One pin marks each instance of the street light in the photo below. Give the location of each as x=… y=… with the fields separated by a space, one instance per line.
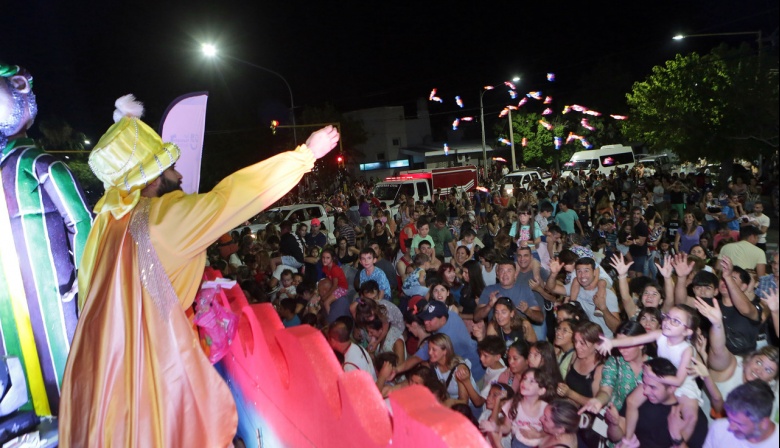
x=741 y=33
x=482 y=122
x=210 y=51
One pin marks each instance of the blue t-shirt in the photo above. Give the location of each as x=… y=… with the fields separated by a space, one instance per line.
x=380 y=278
x=566 y=220
x=464 y=346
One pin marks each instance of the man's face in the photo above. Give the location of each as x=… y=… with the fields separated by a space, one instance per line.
x=524 y=259
x=17 y=105
x=170 y=181
x=315 y=228
x=758 y=208
x=742 y=427
x=585 y=275
x=652 y=387
x=506 y=275
x=636 y=215
x=434 y=324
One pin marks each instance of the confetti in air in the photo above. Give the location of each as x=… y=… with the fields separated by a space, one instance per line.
x=551 y=77
x=547 y=100
x=455 y=124
x=547 y=111
x=546 y=125
x=558 y=142
x=459 y=102
x=586 y=125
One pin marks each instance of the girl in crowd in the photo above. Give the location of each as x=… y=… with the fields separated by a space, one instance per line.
x=688 y=235
x=338 y=280
x=487 y=260
x=441 y=292
x=524 y=412
x=570 y=311
x=652 y=294
x=473 y=285
x=446 y=363
x=508 y=324
x=711 y=209
x=524 y=230
x=542 y=356
x=673 y=344
x=381 y=234
x=582 y=380
x=452 y=279
x=517 y=364
x=462 y=255
x=499 y=394
x=564 y=345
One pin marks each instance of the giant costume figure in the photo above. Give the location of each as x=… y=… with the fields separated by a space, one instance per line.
x=136 y=375
x=44 y=223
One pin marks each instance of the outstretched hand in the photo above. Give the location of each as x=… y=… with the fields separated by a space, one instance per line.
x=770 y=299
x=322 y=141
x=605 y=346
x=711 y=312
x=620 y=265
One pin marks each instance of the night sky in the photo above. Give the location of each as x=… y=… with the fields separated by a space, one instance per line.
x=353 y=55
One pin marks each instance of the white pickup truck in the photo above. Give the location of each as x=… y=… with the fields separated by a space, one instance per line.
x=297 y=214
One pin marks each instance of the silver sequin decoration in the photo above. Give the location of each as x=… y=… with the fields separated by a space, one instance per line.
x=153 y=276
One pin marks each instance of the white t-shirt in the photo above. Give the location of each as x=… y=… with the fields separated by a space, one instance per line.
x=585 y=297
x=719 y=436
x=762 y=220
x=523 y=420
x=357 y=358
x=491 y=375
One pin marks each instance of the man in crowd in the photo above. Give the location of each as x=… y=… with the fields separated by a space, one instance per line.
x=760 y=221
x=507 y=286
x=608 y=316
x=316 y=237
x=744 y=253
x=437 y=319
x=749 y=419
x=136 y=375
x=660 y=422
x=441 y=236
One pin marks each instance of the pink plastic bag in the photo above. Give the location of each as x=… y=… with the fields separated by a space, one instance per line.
x=216 y=325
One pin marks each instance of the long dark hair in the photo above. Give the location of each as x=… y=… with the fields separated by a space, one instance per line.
x=476 y=282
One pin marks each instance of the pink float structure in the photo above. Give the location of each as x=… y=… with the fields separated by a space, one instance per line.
x=291 y=392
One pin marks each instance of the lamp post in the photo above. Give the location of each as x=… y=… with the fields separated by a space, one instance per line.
x=482 y=123
x=210 y=51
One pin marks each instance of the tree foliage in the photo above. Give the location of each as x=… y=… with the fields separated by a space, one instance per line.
x=720 y=106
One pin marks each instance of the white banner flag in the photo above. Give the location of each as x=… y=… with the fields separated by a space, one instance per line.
x=184 y=124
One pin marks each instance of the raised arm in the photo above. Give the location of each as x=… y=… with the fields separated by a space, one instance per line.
x=770 y=300
x=719 y=358
x=606 y=345
x=666 y=271
x=620 y=265
x=683 y=269
x=738 y=297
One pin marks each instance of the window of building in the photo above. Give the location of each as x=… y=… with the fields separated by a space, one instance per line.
x=396 y=142
x=380 y=156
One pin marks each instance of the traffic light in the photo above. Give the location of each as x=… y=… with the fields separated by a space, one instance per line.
x=274 y=124
x=340 y=161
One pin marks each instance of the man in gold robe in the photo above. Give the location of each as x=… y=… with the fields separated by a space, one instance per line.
x=136 y=375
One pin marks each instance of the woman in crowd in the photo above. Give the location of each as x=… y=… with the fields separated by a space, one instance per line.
x=508 y=324
x=487 y=260
x=542 y=356
x=516 y=363
x=622 y=372
x=346 y=255
x=582 y=380
x=446 y=363
x=560 y=423
x=441 y=292
x=688 y=235
x=451 y=278
x=473 y=285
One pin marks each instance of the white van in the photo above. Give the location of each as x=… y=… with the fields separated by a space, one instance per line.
x=604 y=160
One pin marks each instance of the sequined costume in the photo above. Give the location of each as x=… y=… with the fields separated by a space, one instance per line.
x=44 y=223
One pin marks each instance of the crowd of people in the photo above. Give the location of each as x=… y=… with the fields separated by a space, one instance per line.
x=591 y=311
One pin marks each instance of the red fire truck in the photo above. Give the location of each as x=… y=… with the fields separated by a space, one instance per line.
x=426 y=184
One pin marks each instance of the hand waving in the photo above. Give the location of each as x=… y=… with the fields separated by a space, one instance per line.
x=712 y=313
x=322 y=141
x=619 y=263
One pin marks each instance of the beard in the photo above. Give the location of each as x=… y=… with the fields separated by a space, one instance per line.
x=167 y=186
